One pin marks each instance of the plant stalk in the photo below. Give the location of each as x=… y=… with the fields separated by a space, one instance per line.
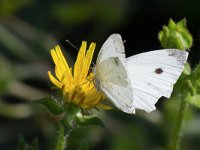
x=177 y=134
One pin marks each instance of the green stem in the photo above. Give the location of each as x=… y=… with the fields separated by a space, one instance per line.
x=60 y=138
x=176 y=139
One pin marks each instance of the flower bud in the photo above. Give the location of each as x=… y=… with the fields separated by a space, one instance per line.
x=175 y=35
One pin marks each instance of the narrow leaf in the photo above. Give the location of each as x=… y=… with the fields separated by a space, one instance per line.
x=34 y=144
x=51 y=105
x=21 y=143
x=89 y=120
x=194 y=100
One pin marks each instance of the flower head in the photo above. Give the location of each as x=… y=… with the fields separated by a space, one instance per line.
x=77 y=88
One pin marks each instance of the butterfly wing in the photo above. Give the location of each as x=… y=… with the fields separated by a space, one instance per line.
x=111 y=75
x=113 y=81
x=153 y=75
x=113 y=47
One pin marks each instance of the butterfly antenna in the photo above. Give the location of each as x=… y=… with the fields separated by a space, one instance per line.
x=93 y=63
x=72 y=45
x=77 y=49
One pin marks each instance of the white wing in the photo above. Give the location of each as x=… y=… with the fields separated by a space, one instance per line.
x=153 y=75
x=111 y=75
x=113 y=47
x=112 y=80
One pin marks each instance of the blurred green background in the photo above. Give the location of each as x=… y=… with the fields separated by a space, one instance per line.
x=29 y=29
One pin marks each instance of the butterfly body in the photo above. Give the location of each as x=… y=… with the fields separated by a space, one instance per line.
x=139 y=81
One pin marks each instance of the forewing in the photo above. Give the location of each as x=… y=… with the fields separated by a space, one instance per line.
x=153 y=75
x=113 y=47
x=114 y=83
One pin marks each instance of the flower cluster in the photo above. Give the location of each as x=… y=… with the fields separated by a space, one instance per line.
x=77 y=87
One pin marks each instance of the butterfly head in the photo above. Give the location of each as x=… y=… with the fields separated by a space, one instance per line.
x=95 y=79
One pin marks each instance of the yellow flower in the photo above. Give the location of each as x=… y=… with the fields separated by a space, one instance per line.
x=77 y=88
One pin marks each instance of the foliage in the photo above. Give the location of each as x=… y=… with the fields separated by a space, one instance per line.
x=22 y=145
x=51 y=105
x=193 y=82
x=72 y=119
x=7 y=7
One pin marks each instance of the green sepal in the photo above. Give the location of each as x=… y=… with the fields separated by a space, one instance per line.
x=71 y=109
x=171 y=24
x=50 y=104
x=88 y=120
x=175 y=35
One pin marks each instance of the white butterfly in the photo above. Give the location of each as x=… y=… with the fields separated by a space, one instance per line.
x=136 y=82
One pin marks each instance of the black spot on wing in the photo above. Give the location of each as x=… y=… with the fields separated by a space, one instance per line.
x=158 y=71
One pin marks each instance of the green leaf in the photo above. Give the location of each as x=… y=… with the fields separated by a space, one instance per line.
x=16 y=46
x=73 y=13
x=10 y=7
x=51 y=105
x=6 y=74
x=187 y=69
x=194 y=100
x=195 y=73
x=194 y=80
x=175 y=35
x=21 y=143
x=34 y=144
x=60 y=138
x=189 y=82
x=88 y=120
x=193 y=86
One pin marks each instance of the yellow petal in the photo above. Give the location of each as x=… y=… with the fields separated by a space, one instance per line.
x=65 y=80
x=54 y=81
x=63 y=62
x=93 y=98
x=103 y=106
x=88 y=60
x=58 y=70
x=79 y=62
